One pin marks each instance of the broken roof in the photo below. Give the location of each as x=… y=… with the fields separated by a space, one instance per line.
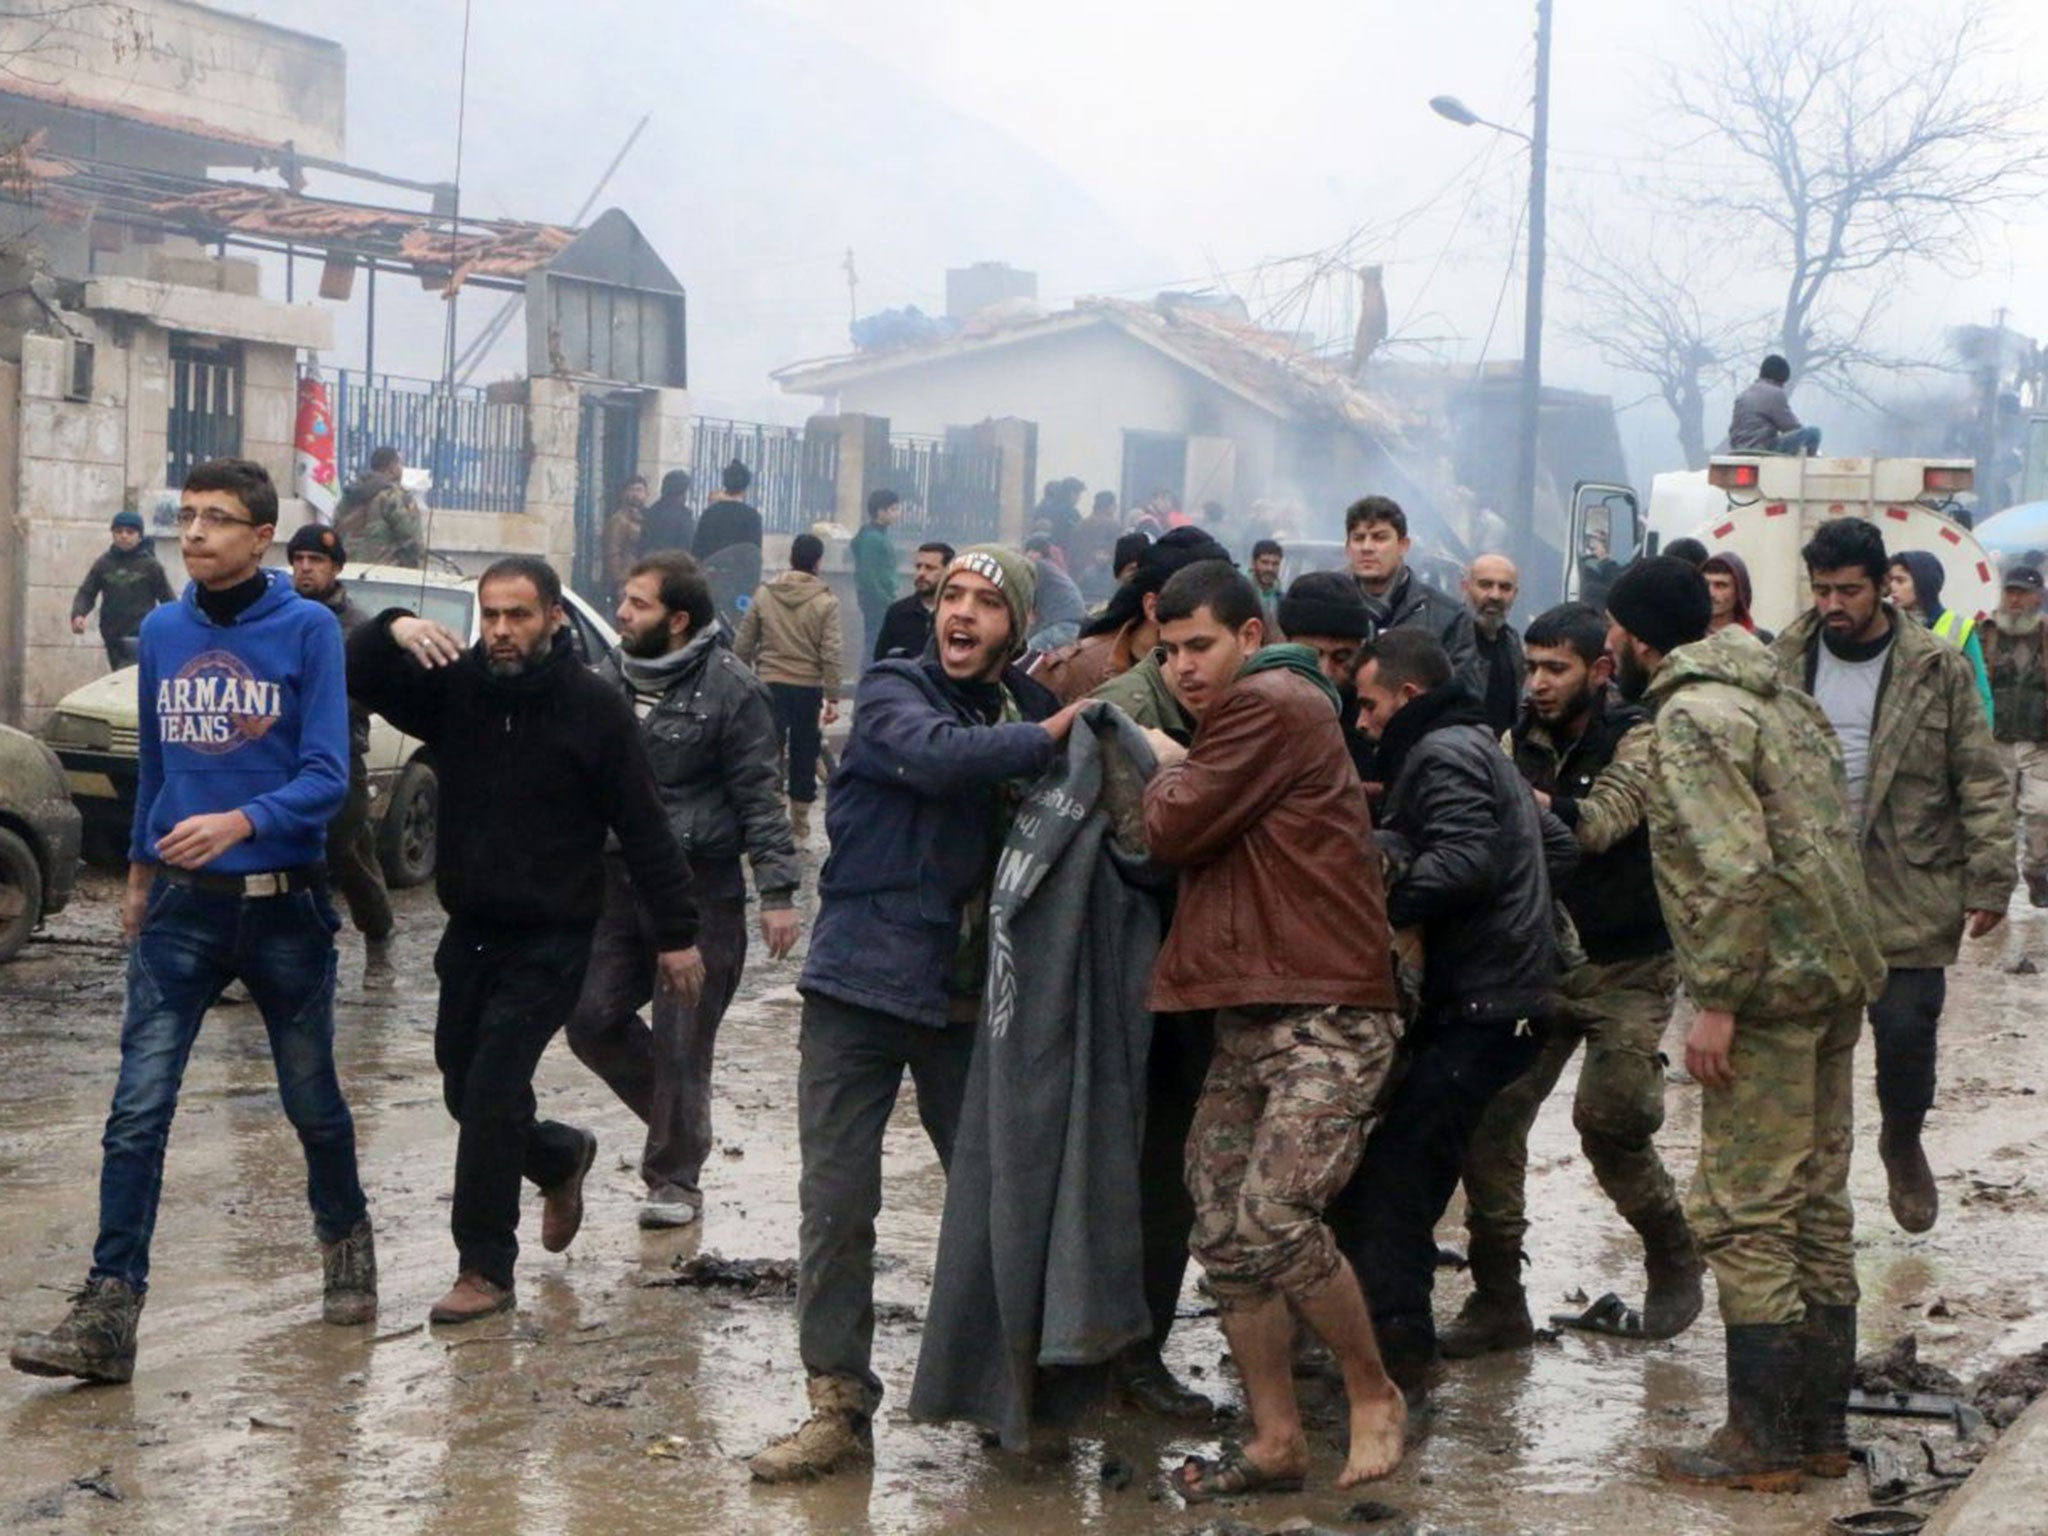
x=1268 y=370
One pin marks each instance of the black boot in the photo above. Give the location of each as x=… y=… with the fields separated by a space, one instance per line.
x=1758 y=1447
x=1916 y=1202
x=95 y=1341
x=1827 y=1367
x=1495 y=1316
x=1671 y=1259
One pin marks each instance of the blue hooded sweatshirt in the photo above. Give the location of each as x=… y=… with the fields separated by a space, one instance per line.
x=249 y=716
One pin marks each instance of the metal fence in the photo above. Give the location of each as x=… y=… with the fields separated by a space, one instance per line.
x=476 y=447
x=951 y=492
x=794 y=476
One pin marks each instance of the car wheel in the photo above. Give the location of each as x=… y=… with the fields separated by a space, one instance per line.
x=405 y=841
x=21 y=893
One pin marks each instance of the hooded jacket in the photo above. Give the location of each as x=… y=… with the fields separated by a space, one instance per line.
x=1413 y=601
x=1481 y=855
x=249 y=716
x=791 y=634
x=1958 y=629
x=535 y=770
x=1750 y=839
x=1937 y=832
x=1745 y=593
x=711 y=738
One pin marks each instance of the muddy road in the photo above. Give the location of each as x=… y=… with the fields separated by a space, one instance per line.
x=606 y=1404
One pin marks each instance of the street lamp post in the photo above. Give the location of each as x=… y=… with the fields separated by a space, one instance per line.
x=1522 y=533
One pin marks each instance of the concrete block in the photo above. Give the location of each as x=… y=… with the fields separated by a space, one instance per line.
x=62 y=491
x=60 y=429
x=270 y=367
x=269 y=415
x=2007 y=1493
x=234 y=316
x=45 y=367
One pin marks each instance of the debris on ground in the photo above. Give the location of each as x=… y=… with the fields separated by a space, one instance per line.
x=1900 y=1369
x=100 y=1483
x=759 y=1279
x=2004 y=1394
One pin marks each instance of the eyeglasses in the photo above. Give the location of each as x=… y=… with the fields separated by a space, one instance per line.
x=210 y=517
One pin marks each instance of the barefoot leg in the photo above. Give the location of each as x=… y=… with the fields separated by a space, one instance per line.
x=1379 y=1415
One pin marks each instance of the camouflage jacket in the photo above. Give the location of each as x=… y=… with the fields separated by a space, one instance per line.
x=1937 y=833
x=1749 y=831
x=379 y=523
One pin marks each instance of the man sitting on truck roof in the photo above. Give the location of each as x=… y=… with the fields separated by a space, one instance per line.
x=1763 y=421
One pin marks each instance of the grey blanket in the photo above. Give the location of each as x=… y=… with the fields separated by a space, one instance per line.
x=1037 y=1282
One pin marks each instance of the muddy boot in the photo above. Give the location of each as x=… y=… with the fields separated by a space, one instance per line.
x=348 y=1271
x=1758 y=1447
x=1672 y=1261
x=379 y=974
x=1827 y=1366
x=838 y=1434
x=96 y=1340
x=1495 y=1317
x=470 y=1298
x=800 y=821
x=1915 y=1200
x=561 y=1211
x=1144 y=1382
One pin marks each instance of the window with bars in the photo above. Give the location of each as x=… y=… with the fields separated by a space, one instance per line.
x=206 y=405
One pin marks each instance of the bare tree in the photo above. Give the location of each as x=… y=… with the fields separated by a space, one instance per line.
x=1646 y=309
x=1866 y=138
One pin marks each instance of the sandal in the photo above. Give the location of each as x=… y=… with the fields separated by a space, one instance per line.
x=1609 y=1315
x=1231 y=1475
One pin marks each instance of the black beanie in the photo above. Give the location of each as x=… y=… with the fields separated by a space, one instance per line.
x=1183 y=546
x=1663 y=602
x=1325 y=603
x=317 y=539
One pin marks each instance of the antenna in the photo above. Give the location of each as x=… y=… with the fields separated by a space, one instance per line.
x=443 y=434
x=852 y=288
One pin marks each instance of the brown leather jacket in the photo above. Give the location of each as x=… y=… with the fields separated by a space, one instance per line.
x=1280 y=893
x=1075 y=671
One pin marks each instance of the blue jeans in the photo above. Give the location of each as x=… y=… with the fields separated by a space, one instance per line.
x=193 y=943
x=1806 y=440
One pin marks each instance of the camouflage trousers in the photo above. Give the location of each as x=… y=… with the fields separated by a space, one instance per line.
x=1619 y=1012
x=2026 y=769
x=1291 y=1095
x=1770 y=1203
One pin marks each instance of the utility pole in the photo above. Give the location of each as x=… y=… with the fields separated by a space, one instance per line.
x=852 y=291
x=1526 y=545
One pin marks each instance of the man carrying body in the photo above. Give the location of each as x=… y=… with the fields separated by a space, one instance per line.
x=378 y=516
x=711 y=736
x=893 y=981
x=907 y=626
x=1763 y=421
x=2016 y=656
x=317 y=555
x=1586 y=751
x=538 y=761
x=1267 y=556
x=1490 y=588
x=874 y=566
x=1281 y=927
x=1929 y=807
x=128 y=585
x=242 y=762
x=1323 y=611
x=1471 y=852
x=1376 y=542
x=1754 y=854
x=1119 y=637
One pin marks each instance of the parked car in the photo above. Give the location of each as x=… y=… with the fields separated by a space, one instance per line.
x=93 y=730
x=39 y=838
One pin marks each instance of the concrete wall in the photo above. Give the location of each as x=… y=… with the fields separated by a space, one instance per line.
x=1084 y=389
x=244 y=78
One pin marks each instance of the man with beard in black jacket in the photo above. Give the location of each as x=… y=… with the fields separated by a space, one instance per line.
x=1471 y=858
x=538 y=760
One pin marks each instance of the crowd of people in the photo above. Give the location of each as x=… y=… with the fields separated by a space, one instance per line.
x=1369 y=866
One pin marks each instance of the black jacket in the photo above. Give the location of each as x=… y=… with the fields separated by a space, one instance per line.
x=711 y=737
x=1611 y=896
x=1413 y=601
x=1479 y=856
x=129 y=585
x=351 y=618
x=906 y=630
x=667 y=527
x=534 y=771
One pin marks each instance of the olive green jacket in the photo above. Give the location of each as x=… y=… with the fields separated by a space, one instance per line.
x=1750 y=841
x=1142 y=694
x=1937 y=833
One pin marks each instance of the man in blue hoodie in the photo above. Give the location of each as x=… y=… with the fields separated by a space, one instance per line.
x=893 y=982
x=243 y=761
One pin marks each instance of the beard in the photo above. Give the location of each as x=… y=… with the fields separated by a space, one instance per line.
x=1631 y=676
x=650 y=644
x=520 y=665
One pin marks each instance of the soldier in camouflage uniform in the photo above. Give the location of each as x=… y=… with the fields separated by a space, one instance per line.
x=2016 y=656
x=1586 y=752
x=1758 y=876
x=378 y=517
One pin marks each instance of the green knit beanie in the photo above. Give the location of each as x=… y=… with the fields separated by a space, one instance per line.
x=1011 y=574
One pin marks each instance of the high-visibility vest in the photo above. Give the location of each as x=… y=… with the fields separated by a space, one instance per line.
x=1954 y=628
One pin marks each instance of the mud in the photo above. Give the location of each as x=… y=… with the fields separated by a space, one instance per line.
x=621 y=1399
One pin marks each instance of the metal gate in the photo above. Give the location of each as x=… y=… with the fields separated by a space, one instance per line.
x=794 y=473
x=607 y=455
x=206 y=405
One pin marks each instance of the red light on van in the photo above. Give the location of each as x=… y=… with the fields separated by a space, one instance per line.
x=1733 y=477
x=1948 y=479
